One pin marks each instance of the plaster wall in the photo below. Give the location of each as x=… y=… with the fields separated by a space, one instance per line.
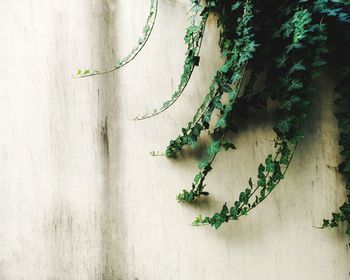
x=80 y=195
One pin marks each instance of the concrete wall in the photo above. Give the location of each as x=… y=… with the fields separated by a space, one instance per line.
x=80 y=196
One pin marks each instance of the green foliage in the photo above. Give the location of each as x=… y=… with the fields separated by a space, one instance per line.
x=343 y=116
x=281 y=44
x=299 y=32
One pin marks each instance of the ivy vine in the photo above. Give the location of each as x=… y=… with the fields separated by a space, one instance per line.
x=147 y=30
x=282 y=44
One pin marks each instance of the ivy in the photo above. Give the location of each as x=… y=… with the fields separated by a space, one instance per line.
x=343 y=116
x=193 y=40
x=271 y=50
x=147 y=30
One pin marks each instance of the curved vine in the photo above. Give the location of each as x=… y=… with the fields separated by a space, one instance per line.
x=147 y=30
x=298 y=43
x=193 y=40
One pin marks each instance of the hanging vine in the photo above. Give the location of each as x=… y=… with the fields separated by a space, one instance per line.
x=193 y=40
x=147 y=30
x=283 y=44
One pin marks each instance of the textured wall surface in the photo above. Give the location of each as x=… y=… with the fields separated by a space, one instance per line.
x=80 y=196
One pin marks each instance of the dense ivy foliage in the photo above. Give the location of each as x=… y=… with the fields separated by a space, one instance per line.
x=281 y=45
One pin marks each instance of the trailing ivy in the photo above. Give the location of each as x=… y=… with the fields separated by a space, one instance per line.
x=272 y=51
x=291 y=112
x=242 y=49
x=298 y=45
x=343 y=115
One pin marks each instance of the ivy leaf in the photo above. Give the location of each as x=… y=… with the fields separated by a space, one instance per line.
x=221 y=123
x=213 y=148
x=218 y=104
x=234 y=213
x=227 y=145
x=202 y=164
x=295 y=85
x=325 y=223
x=261 y=170
x=235 y=6
x=250 y=182
x=298 y=66
x=270 y=165
x=244 y=211
x=224 y=211
x=217 y=220
x=198 y=177
x=242 y=197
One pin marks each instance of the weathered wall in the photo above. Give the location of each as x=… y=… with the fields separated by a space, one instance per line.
x=80 y=197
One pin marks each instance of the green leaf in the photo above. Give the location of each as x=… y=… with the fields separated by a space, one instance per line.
x=270 y=165
x=261 y=170
x=224 y=211
x=227 y=145
x=198 y=177
x=242 y=197
x=202 y=164
x=250 y=183
x=233 y=213
x=325 y=223
x=221 y=123
x=213 y=148
x=244 y=211
x=217 y=220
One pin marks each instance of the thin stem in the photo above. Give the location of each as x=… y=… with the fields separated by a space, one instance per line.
x=251 y=208
x=137 y=49
x=284 y=172
x=182 y=86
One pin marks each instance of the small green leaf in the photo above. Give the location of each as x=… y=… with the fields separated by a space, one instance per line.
x=227 y=145
x=213 y=148
x=250 y=183
x=202 y=164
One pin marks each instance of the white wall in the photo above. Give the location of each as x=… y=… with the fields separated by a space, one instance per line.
x=80 y=197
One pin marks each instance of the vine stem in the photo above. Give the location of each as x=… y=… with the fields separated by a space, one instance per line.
x=182 y=87
x=197 y=118
x=238 y=91
x=136 y=50
x=251 y=208
x=226 y=129
x=266 y=175
x=284 y=172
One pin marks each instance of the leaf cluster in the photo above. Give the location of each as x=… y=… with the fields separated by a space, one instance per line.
x=271 y=50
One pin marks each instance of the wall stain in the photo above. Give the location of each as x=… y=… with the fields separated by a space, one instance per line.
x=105 y=138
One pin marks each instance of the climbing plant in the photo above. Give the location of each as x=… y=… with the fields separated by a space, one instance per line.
x=272 y=50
